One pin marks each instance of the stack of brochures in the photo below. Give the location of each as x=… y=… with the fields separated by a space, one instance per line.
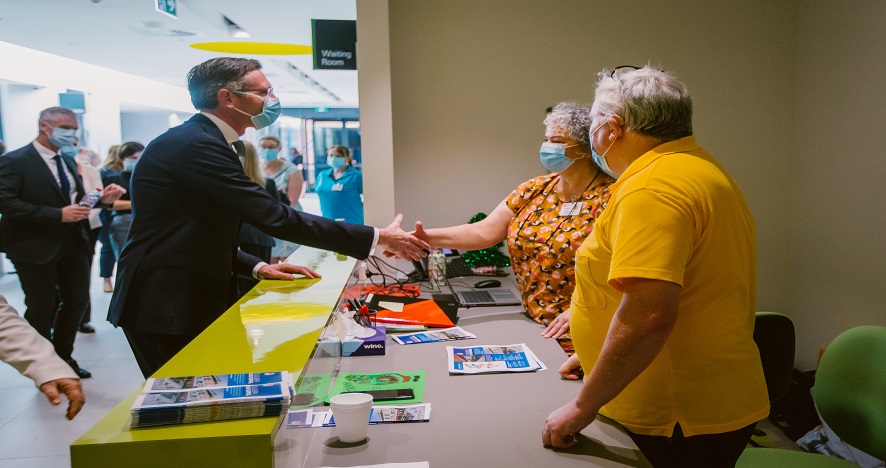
x=448 y=334
x=203 y=398
x=486 y=359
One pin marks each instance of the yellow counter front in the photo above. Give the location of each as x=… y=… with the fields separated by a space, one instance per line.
x=272 y=328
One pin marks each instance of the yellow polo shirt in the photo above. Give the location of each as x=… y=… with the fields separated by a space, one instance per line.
x=676 y=215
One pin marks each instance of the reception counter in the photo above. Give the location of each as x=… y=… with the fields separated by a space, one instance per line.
x=476 y=420
x=274 y=327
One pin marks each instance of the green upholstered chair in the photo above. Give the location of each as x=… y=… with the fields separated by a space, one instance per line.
x=850 y=394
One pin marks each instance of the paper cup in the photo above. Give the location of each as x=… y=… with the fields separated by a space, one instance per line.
x=351 y=412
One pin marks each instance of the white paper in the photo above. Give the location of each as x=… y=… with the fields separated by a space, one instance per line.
x=392 y=306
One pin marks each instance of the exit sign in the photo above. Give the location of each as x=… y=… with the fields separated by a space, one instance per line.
x=167 y=7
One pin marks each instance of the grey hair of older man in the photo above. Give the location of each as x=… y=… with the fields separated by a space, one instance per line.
x=573 y=118
x=649 y=101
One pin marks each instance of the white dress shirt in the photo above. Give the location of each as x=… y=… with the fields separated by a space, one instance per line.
x=47 y=155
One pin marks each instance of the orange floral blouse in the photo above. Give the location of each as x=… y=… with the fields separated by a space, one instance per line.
x=542 y=243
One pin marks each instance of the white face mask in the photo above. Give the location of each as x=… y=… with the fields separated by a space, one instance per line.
x=601 y=159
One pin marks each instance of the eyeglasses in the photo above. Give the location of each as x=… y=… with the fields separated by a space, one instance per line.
x=617 y=71
x=259 y=92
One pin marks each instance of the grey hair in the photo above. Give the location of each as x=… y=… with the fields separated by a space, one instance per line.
x=574 y=119
x=49 y=114
x=651 y=102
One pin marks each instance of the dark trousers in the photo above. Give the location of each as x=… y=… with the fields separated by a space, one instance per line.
x=153 y=350
x=702 y=451
x=68 y=275
x=106 y=259
x=93 y=237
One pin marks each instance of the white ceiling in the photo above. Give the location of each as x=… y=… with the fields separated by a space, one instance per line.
x=131 y=37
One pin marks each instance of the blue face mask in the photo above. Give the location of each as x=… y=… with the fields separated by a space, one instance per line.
x=69 y=150
x=269 y=114
x=600 y=160
x=553 y=157
x=268 y=154
x=337 y=162
x=129 y=164
x=63 y=137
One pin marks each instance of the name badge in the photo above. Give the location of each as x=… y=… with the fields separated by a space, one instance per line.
x=571 y=209
x=337 y=187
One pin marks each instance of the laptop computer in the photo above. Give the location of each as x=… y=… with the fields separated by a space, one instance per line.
x=488 y=297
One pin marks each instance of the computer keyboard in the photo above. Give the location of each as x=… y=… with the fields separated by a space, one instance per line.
x=456 y=266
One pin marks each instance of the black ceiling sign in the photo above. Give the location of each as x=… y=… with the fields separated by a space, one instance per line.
x=335 y=44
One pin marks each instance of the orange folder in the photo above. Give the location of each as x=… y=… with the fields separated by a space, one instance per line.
x=426 y=313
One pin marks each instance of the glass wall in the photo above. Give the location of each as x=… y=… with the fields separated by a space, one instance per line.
x=311 y=132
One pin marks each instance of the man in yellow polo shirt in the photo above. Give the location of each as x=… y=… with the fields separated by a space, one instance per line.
x=663 y=311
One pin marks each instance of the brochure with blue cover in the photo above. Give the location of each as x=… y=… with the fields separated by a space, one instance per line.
x=485 y=359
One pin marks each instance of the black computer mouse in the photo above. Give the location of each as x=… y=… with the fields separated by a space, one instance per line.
x=490 y=283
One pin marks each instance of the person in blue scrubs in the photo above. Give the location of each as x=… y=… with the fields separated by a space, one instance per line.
x=340 y=187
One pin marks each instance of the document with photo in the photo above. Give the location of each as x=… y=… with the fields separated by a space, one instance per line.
x=194 y=382
x=448 y=334
x=492 y=358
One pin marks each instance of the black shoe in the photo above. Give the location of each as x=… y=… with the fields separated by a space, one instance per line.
x=81 y=372
x=86 y=327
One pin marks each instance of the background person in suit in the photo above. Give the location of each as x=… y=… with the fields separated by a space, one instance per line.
x=45 y=231
x=177 y=271
x=29 y=353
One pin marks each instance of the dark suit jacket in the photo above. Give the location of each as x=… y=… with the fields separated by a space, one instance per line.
x=31 y=203
x=176 y=273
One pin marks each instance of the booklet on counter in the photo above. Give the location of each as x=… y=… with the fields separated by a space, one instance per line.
x=380 y=414
x=448 y=334
x=190 y=399
x=492 y=358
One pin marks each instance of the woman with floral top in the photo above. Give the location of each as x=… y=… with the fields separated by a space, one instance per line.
x=544 y=221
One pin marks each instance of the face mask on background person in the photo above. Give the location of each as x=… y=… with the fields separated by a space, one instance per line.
x=69 y=150
x=601 y=159
x=337 y=162
x=129 y=164
x=270 y=112
x=553 y=156
x=268 y=154
x=63 y=136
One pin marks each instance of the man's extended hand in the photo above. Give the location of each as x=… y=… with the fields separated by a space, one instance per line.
x=285 y=271
x=566 y=421
x=558 y=326
x=397 y=242
x=71 y=388
x=74 y=213
x=112 y=193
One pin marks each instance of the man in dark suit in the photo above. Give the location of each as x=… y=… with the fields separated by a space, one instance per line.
x=44 y=230
x=190 y=195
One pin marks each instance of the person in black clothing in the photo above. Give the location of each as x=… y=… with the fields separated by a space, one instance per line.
x=121 y=217
x=252 y=240
x=44 y=229
x=177 y=272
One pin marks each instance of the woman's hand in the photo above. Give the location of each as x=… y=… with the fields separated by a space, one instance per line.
x=559 y=326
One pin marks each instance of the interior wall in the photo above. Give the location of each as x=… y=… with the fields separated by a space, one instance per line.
x=789 y=96
x=838 y=222
x=21 y=111
x=145 y=126
x=471 y=80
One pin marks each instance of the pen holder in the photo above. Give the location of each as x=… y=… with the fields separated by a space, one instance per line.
x=366 y=319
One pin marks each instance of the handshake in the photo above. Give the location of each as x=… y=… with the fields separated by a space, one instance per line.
x=401 y=244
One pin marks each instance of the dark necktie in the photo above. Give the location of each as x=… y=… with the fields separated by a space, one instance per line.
x=63 y=178
x=239 y=147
